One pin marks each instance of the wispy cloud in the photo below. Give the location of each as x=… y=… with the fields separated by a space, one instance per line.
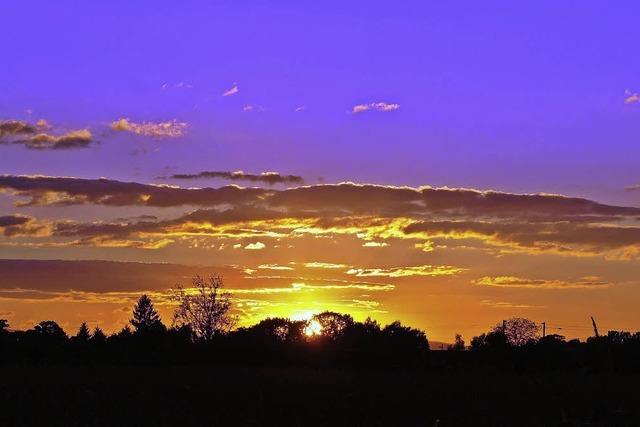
x=420 y=270
x=275 y=267
x=375 y=244
x=424 y=246
x=266 y=177
x=300 y=108
x=325 y=265
x=255 y=246
x=179 y=85
x=631 y=97
x=507 y=304
x=168 y=129
x=589 y=282
x=376 y=106
x=232 y=91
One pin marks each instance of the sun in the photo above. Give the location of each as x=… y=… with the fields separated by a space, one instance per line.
x=313 y=328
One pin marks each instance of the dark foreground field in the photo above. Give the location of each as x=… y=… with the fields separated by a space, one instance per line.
x=161 y=396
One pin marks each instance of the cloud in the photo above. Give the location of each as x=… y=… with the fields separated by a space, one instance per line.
x=373 y=214
x=21 y=225
x=377 y=106
x=266 y=177
x=255 y=246
x=122 y=282
x=13 y=220
x=421 y=270
x=35 y=137
x=43 y=190
x=506 y=304
x=168 y=129
x=15 y=127
x=561 y=236
x=519 y=282
x=360 y=286
x=75 y=139
x=43 y=124
x=179 y=85
x=325 y=265
x=304 y=287
x=102 y=276
x=275 y=267
x=424 y=246
x=232 y=91
x=632 y=187
x=300 y=108
x=374 y=244
x=630 y=97
x=248 y=108
x=348 y=198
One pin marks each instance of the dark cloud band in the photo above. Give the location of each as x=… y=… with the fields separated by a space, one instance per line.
x=270 y=178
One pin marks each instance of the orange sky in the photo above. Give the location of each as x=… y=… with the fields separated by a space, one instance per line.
x=444 y=260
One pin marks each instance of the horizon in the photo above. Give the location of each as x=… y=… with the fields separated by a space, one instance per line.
x=445 y=166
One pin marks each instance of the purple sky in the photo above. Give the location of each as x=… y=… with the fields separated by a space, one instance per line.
x=493 y=95
x=520 y=97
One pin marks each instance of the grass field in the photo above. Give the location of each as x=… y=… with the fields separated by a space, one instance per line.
x=205 y=395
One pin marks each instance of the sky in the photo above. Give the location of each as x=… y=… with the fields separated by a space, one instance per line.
x=447 y=165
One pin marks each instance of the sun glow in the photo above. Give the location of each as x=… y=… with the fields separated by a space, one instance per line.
x=313 y=328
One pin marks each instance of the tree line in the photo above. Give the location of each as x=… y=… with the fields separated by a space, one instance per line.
x=203 y=331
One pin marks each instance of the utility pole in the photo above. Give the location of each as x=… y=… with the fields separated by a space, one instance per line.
x=595 y=327
x=544 y=329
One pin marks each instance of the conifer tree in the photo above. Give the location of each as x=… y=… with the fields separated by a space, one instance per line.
x=98 y=336
x=83 y=334
x=145 y=317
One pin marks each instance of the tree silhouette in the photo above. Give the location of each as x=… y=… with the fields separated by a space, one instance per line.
x=458 y=344
x=98 y=336
x=206 y=311
x=125 y=332
x=518 y=331
x=145 y=317
x=279 y=329
x=50 y=329
x=4 y=325
x=405 y=337
x=83 y=334
x=495 y=341
x=333 y=324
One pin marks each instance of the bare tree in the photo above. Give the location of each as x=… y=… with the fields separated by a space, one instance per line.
x=518 y=331
x=205 y=308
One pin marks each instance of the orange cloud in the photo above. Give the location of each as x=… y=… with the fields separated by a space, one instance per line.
x=519 y=282
x=420 y=270
x=34 y=137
